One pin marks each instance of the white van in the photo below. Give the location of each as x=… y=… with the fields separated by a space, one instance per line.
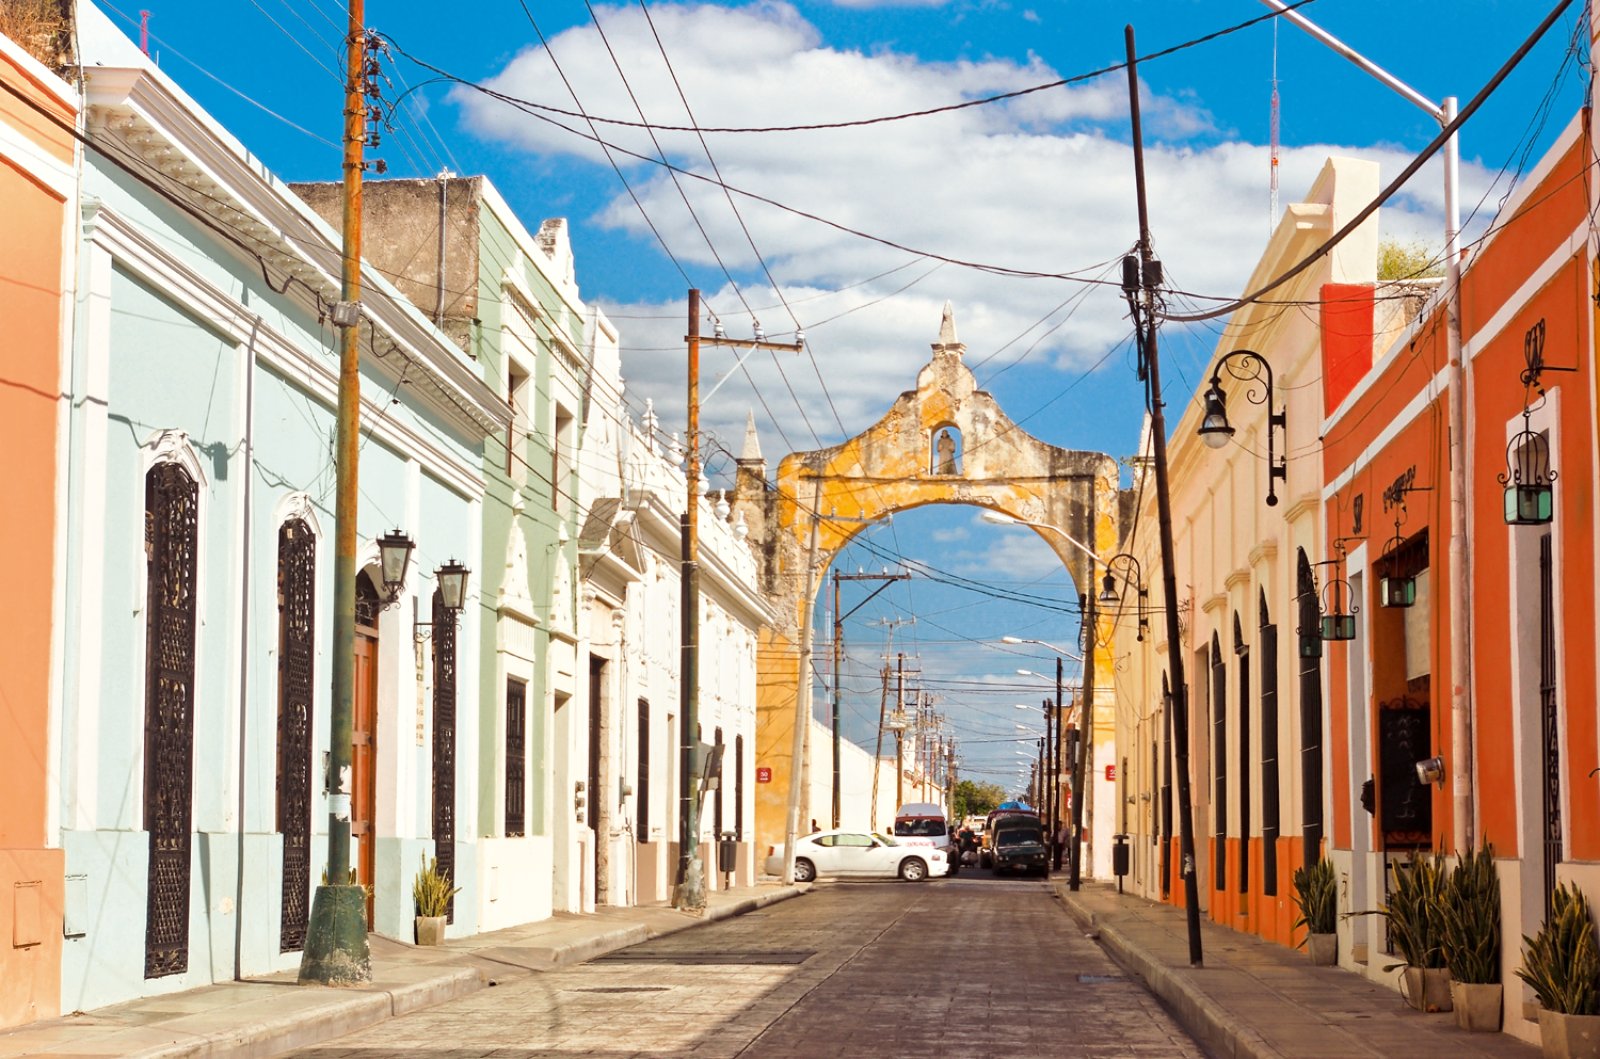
x=924 y=824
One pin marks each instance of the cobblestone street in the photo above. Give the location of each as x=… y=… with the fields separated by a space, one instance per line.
x=966 y=967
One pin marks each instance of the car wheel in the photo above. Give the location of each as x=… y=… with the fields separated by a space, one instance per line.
x=804 y=870
x=912 y=869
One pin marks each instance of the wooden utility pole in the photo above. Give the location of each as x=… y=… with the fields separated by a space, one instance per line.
x=1144 y=277
x=336 y=951
x=691 y=891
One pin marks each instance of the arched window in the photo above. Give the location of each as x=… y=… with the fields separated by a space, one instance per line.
x=297 y=573
x=171 y=538
x=1270 y=809
x=1310 y=715
x=1219 y=761
x=1241 y=651
x=444 y=741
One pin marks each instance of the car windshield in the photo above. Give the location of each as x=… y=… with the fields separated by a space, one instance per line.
x=1015 y=838
x=919 y=828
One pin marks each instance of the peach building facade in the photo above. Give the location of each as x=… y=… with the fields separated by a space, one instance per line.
x=37 y=180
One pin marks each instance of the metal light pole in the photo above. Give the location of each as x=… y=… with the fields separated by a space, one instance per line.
x=1461 y=734
x=336 y=951
x=1147 y=271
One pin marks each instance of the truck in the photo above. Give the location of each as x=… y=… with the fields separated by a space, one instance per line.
x=1005 y=811
x=1018 y=845
x=924 y=824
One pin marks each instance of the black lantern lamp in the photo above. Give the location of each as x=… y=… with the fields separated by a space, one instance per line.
x=1530 y=500
x=1134 y=576
x=394 y=555
x=1335 y=622
x=452 y=581
x=1396 y=588
x=1249 y=367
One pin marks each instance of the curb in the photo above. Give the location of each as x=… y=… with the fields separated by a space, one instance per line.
x=278 y=1033
x=358 y=1009
x=1197 y=1012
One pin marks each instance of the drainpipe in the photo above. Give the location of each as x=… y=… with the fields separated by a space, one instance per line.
x=248 y=455
x=444 y=195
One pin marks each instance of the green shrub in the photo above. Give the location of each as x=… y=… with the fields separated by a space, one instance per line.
x=1472 y=919
x=1561 y=963
x=1317 y=896
x=432 y=890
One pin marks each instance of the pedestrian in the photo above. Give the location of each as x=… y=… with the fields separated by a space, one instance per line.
x=1063 y=836
x=815 y=827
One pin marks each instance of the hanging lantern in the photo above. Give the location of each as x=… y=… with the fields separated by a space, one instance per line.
x=1529 y=499
x=394 y=555
x=1397 y=591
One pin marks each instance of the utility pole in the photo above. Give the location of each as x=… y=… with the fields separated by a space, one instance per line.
x=1055 y=760
x=1145 y=274
x=899 y=733
x=691 y=892
x=877 y=753
x=838 y=640
x=1080 y=766
x=336 y=951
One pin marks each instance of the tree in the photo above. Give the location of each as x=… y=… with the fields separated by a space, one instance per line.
x=1413 y=260
x=976 y=799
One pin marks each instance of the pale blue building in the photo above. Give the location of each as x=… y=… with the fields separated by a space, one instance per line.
x=197 y=527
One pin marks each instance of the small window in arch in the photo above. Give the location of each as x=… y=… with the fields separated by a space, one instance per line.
x=946 y=451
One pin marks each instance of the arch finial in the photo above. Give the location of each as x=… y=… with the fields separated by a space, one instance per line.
x=948 y=342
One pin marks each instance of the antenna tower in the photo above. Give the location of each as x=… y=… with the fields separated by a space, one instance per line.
x=1272 y=207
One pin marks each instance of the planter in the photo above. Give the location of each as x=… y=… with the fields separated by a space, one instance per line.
x=1478 y=1007
x=1426 y=988
x=1324 y=949
x=1569 y=1036
x=430 y=930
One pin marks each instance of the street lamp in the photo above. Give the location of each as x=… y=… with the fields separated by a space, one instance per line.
x=1110 y=597
x=394 y=555
x=1248 y=367
x=452 y=579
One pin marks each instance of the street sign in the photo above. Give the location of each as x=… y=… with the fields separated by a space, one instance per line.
x=1111 y=773
x=763 y=775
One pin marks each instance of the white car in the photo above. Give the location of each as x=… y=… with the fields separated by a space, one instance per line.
x=858 y=855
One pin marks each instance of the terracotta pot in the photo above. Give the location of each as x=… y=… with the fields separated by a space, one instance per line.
x=1426 y=988
x=1569 y=1036
x=1478 y=1006
x=1324 y=949
x=430 y=930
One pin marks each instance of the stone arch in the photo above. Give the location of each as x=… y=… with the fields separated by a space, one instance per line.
x=818 y=500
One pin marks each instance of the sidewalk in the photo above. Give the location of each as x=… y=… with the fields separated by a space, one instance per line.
x=1253 y=998
x=261 y=1017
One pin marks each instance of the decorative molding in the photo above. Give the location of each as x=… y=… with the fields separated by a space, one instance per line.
x=1239 y=576
x=314 y=373
x=1305 y=504
x=1264 y=552
x=1216 y=603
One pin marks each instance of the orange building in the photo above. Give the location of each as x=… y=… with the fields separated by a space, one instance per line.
x=37 y=166
x=1514 y=766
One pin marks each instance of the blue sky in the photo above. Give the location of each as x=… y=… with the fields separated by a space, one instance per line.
x=1039 y=183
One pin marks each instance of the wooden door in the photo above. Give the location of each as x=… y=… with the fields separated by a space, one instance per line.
x=363 y=760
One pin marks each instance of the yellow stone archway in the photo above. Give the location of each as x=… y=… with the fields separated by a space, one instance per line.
x=898 y=464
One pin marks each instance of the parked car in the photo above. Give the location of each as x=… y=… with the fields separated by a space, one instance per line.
x=1018 y=846
x=858 y=855
x=1006 y=811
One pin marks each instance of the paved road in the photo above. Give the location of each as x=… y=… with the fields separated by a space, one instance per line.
x=966 y=967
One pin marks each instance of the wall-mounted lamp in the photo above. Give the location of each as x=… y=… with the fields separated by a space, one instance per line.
x=1528 y=479
x=1133 y=575
x=1337 y=611
x=394 y=555
x=1397 y=587
x=1249 y=367
x=452 y=580
x=1431 y=770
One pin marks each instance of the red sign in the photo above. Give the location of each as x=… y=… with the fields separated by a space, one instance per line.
x=1111 y=773
x=763 y=775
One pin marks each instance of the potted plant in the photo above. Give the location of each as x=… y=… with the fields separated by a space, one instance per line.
x=1416 y=925
x=432 y=892
x=1316 y=894
x=1561 y=963
x=1472 y=941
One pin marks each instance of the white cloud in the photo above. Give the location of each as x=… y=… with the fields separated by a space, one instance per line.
x=1040 y=183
